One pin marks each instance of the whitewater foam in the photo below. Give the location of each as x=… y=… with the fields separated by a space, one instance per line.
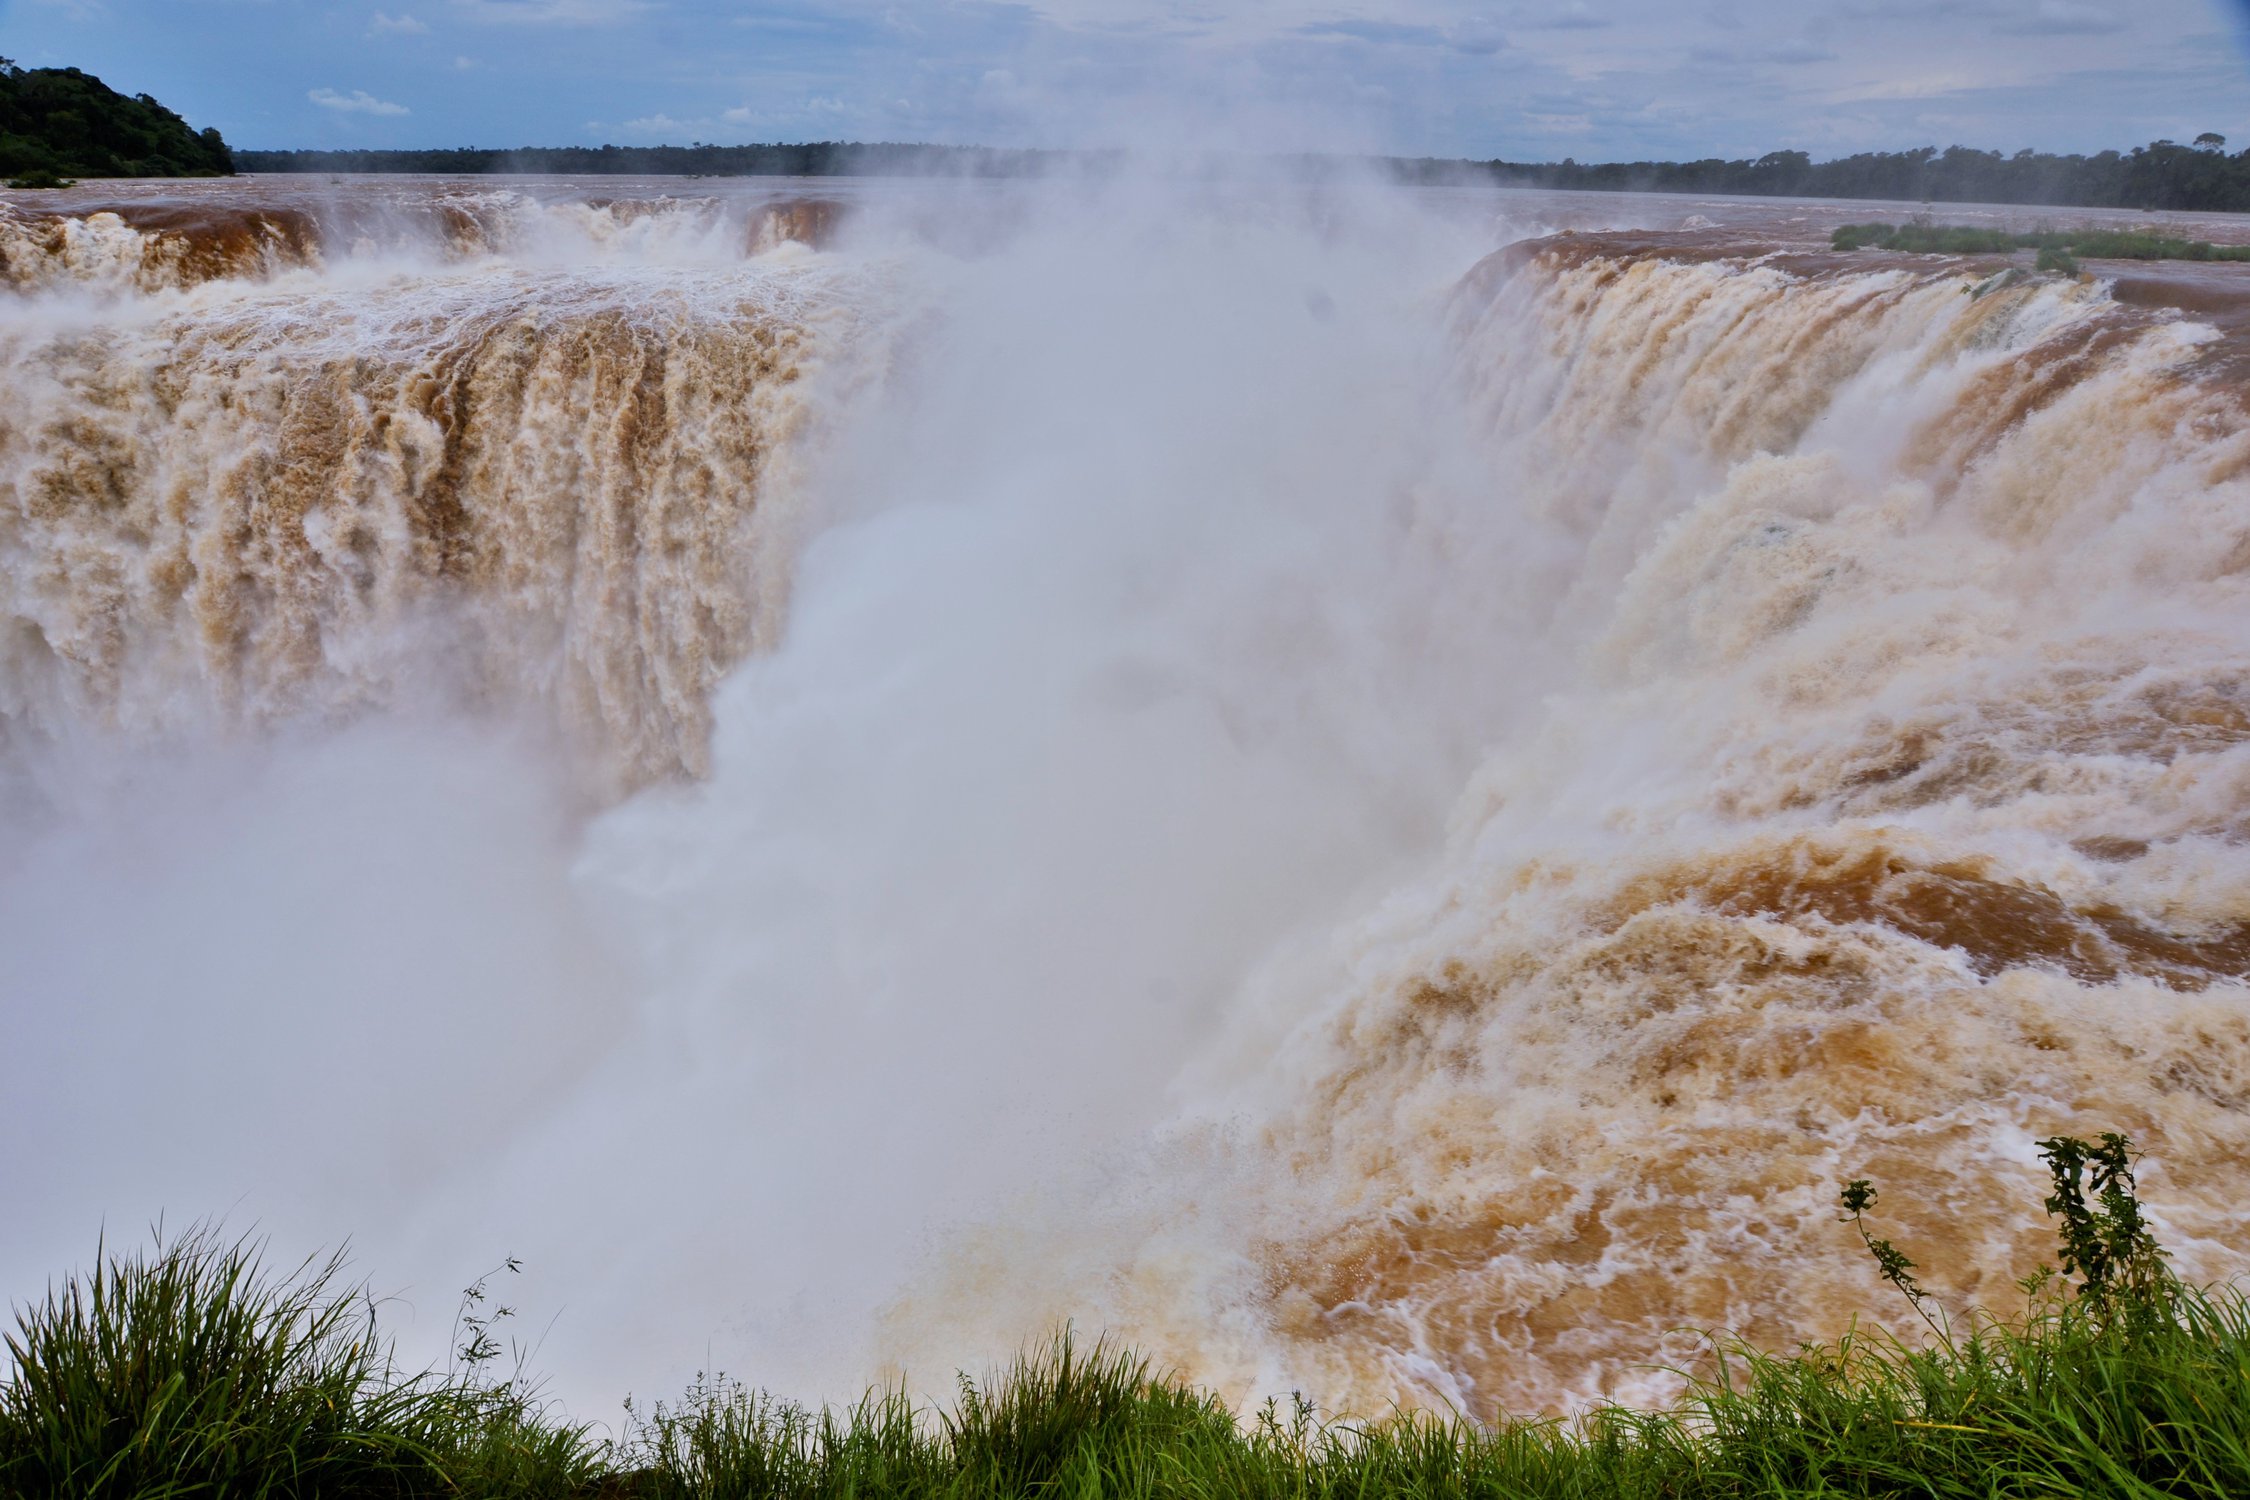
x=1888 y=824
x=1373 y=822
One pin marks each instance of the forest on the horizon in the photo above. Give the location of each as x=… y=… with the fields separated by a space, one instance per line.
x=2163 y=175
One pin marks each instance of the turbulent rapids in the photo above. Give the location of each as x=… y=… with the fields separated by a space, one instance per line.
x=1385 y=819
x=1935 y=586
x=238 y=504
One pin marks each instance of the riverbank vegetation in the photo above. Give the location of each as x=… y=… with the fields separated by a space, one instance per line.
x=2163 y=175
x=2093 y=244
x=58 y=123
x=188 y=1370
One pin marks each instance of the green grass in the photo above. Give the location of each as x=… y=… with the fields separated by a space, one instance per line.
x=188 y=1371
x=2056 y=1406
x=2056 y=247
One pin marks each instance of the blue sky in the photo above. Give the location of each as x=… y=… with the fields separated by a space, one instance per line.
x=1527 y=79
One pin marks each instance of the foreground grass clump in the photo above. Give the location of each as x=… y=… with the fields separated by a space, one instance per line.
x=2056 y=247
x=186 y=1373
x=190 y=1370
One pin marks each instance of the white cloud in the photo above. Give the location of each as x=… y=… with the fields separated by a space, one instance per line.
x=1799 y=51
x=1896 y=12
x=398 y=25
x=464 y=63
x=816 y=112
x=1571 y=17
x=1477 y=37
x=2065 y=18
x=357 y=102
x=552 y=12
x=1933 y=86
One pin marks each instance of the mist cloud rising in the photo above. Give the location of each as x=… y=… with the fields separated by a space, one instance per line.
x=1108 y=667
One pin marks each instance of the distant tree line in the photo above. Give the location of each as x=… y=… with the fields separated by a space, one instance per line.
x=62 y=122
x=2164 y=175
x=2200 y=177
x=59 y=122
x=808 y=159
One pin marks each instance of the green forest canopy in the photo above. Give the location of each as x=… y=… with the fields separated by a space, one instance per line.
x=59 y=122
x=2164 y=175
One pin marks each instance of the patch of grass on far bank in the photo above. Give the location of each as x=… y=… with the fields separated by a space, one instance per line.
x=2094 y=244
x=189 y=1372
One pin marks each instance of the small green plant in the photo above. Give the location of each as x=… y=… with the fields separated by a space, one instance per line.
x=475 y=1344
x=2103 y=1235
x=2054 y=258
x=1891 y=1262
x=2105 y=1238
x=40 y=178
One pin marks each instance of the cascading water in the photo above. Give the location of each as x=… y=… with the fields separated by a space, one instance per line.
x=1205 y=764
x=1891 y=820
x=252 y=501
